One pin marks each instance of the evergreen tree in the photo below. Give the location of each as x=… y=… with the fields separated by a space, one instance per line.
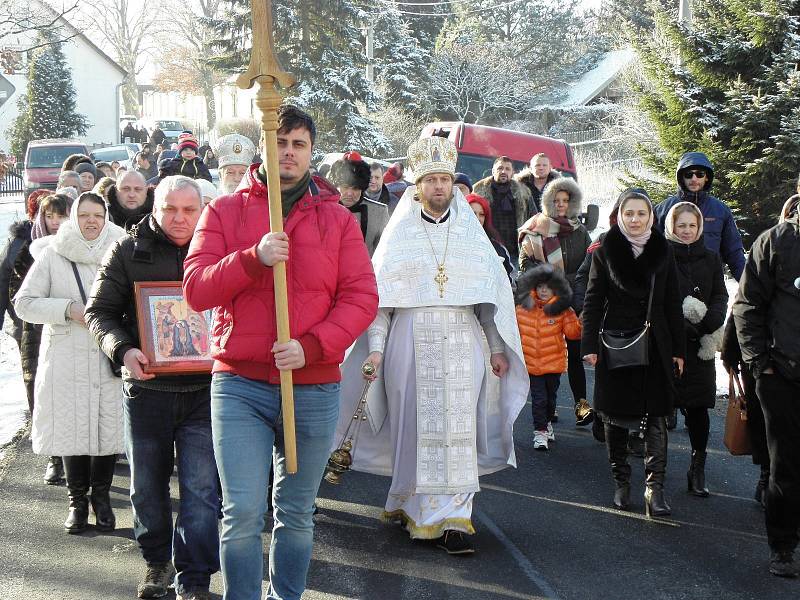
x=47 y=109
x=323 y=47
x=727 y=86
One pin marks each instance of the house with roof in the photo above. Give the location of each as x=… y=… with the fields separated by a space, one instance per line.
x=96 y=76
x=602 y=83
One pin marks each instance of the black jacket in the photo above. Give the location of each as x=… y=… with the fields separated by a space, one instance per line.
x=767 y=307
x=619 y=285
x=145 y=254
x=20 y=237
x=125 y=217
x=195 y=168
x=700 y=275
x=31 y=335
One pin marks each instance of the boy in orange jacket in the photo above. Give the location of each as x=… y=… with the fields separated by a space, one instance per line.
x=545 y=319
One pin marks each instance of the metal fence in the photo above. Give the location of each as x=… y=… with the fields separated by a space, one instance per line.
x=11 y=184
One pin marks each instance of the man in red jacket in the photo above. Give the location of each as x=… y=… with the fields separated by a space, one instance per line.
x=333 y=298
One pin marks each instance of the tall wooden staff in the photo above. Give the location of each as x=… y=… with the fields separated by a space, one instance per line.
x=265 y=70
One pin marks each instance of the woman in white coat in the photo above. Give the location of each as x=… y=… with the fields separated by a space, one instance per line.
x=78 y=408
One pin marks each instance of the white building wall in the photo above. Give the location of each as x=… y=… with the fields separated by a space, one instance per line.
x=97 y=86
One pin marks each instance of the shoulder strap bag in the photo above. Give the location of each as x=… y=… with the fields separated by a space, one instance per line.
x=115 y=369
x=622 y=348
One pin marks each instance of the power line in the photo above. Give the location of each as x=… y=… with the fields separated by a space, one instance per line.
x=451 y=14
x=444 y=2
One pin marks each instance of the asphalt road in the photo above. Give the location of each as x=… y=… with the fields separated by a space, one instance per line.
x=544 y=530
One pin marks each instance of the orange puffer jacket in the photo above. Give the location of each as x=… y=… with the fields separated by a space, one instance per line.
x=543 y=336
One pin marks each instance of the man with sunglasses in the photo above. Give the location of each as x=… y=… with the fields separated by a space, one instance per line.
x=695 y=175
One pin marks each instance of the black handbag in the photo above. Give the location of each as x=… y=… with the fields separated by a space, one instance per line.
x=627 y=347
x=115 y=368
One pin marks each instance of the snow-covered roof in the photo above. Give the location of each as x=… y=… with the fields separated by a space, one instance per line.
x=594 y=82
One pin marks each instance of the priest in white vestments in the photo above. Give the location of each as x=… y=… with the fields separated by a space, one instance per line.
x=438 y=416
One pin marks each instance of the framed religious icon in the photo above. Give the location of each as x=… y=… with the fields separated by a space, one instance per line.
x=174 y=338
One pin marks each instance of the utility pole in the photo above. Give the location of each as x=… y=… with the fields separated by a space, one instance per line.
x=370 y=34
x=685 y=12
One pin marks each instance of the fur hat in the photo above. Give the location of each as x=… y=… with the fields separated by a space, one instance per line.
x=350 y=171
x=555 y=280
x=187 y=140
x=562 y=184
x=432 y=155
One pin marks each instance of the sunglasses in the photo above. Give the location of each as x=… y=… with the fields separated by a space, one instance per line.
x=695 y=174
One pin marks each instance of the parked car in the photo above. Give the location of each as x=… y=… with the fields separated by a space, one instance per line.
x=123 y=153
x=172 y=128
x=478 y=146
x=43 y=160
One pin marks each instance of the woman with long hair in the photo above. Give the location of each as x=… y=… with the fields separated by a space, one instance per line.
x=480 y=206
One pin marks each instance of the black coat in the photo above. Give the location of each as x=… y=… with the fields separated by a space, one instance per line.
x=125 y=217
x=31 y=336
x=573 y=251
x=145 y=254
x=157 y=137
x=195 y=168
x=767 y=307
x=20 y=237
x=620 y=284
x=700 y=275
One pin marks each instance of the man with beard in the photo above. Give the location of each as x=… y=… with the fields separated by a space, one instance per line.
x=351 y=176
x=441 y=289
x=510 y=202
x=235 y=153
x=129 y=200
x=537 y=176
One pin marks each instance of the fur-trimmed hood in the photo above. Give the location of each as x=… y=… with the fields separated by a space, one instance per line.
x=563 y=184
x=555 y=280
x=527 y=176
x=629 y=273
x=21 y=230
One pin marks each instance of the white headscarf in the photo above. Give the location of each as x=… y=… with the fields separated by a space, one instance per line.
x=638 y=242
x=669 y=225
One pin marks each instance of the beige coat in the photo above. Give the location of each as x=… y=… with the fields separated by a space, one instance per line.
x=78 y=401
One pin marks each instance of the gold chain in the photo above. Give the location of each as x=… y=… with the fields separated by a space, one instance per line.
x=441 y=276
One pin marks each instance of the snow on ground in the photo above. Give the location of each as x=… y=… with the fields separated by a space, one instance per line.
x=13 y=402
x=722 y=374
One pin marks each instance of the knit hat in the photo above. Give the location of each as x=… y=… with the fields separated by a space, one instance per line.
x=187 y=140
x=86 y=167
x=432 y=155
x=463 y=178
x=350 y=171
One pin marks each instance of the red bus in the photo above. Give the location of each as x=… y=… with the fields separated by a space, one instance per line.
x=479 y=145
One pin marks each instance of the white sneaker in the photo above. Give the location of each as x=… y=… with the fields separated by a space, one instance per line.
x=551 y=435
x=540 y=440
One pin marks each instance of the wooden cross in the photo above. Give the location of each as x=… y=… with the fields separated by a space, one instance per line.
x=265 y=70
x=441 y=278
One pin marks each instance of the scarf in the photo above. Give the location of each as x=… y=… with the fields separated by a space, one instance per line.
x=638 y=242
x=91 y=245
x=540 y=238
x=360 y=212
x=669 y=224
x=290 y=196
x=503 y=197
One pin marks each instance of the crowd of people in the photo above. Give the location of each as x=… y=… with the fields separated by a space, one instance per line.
x=457 y=303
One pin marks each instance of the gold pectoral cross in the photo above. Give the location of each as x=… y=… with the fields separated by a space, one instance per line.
x=440 y=279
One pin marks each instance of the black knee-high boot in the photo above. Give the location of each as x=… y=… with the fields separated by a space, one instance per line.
x=77 y=469
x=102 y=476
x=617 y=446
x=655 y=467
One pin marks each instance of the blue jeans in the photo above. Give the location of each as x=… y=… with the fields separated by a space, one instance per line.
x=543 y=398
x=159 y=426
x=246 y=417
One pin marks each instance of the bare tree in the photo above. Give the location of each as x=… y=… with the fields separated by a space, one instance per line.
x=467 y=82
x=183 y=60
x=23 y=19
x=129 y=28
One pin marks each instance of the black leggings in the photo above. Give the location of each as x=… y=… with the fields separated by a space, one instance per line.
x=698 y=423
x=575 y=372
